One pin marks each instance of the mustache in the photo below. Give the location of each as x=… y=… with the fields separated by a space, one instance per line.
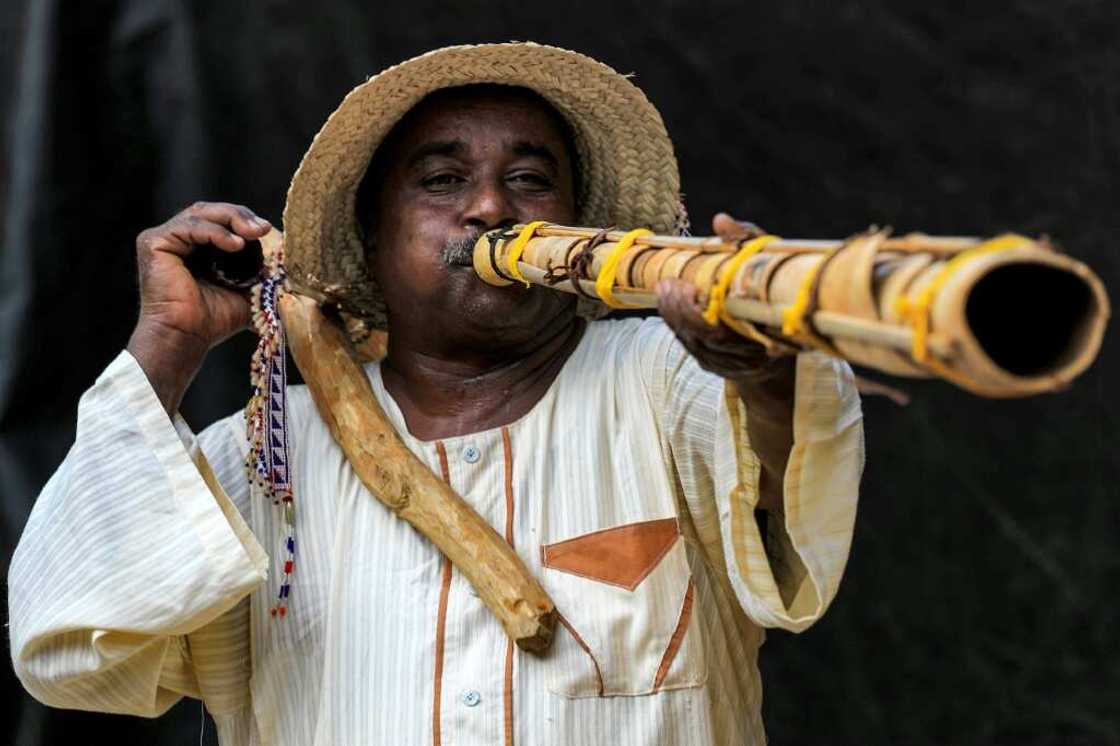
x=460 y=251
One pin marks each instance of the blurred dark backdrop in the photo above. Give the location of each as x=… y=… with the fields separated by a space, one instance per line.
x=979 y=602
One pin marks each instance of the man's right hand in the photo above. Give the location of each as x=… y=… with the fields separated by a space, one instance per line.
x=181 y=316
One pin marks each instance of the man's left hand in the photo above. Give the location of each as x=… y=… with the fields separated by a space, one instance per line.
x=717 y=348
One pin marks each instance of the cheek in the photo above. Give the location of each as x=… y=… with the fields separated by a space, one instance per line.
x=408 y=262
x=555 y=208
x=405 y=266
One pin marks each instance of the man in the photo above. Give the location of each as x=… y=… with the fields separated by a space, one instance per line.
x=626 y=461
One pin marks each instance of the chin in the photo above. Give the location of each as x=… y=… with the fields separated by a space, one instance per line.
x=491 y=308
x=498 y=306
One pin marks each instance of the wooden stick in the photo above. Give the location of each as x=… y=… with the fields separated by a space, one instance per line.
x=911 y=242
x=831 y=324
x=394 y=475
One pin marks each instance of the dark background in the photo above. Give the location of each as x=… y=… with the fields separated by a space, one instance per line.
x=979 y=603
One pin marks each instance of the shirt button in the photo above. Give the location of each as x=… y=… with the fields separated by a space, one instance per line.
x=471 y=454
x=471 y=698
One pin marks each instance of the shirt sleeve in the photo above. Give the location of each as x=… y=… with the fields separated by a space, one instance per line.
x=129 y=586
x=789 y=578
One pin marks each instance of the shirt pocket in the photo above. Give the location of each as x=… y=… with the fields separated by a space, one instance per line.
x=625 y=596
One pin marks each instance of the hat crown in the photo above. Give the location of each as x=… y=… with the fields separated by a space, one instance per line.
x=626 y=157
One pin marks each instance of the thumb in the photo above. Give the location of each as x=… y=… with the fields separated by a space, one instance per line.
x=730 y=229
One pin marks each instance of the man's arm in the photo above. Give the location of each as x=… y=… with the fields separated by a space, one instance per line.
x=134 y=562
x=765 y=385
x=783 y=565
x=769 y=400
x=133 y=548
x=773 y=496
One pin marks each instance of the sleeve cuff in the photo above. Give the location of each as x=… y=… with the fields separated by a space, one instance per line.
x=238 y=561
x=793 y=585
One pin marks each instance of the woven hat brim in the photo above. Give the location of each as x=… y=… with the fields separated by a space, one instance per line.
x=629 y=170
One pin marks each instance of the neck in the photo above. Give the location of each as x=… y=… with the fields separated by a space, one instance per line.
x=443 y=394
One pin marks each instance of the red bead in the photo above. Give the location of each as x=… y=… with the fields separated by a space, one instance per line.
x=288 y=566
x=283 y=611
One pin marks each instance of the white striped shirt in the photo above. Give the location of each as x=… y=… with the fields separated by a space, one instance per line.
x=628 y=490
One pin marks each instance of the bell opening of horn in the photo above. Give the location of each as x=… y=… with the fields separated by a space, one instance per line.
x=1031 y=319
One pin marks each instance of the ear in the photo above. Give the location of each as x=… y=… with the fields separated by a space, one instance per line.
x=365 y=234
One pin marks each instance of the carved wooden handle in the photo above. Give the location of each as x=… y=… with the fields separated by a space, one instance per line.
x=397 y=478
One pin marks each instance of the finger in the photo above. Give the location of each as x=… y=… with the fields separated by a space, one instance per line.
x=238 y=218
x=193 y=230
x=730 y=229
x=681 y=312
x=688 y=315
x=716 y=346
x=678 y=299
x=233 y=308
x=674 y=297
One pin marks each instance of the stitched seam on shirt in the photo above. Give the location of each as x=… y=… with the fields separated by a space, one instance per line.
x=441 y=617
x=557 y=545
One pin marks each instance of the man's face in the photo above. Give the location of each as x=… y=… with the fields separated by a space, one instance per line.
x=461 y=164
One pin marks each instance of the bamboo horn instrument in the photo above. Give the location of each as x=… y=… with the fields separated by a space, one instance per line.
x=1004 y=317
x=332 y=370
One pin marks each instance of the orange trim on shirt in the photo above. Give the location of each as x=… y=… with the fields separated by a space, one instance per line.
x=676 y=640
x=507 y=448
x=507 y=698
x=441 y=615
x=586 y=649
x=507 y=452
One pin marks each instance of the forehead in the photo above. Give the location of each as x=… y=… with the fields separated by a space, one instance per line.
x=494 y=112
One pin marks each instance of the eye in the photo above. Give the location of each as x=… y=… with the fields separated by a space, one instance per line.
x=441 y=182
x=532 y=180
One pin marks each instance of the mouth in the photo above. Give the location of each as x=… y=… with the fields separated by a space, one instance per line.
x=459 y=252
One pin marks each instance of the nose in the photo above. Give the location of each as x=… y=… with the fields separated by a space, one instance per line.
x=489 y=207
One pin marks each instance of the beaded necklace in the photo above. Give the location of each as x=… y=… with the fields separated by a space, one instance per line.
x=267 y=463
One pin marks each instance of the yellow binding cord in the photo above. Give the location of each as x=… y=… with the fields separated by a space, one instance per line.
x=604 y=283
x=718 y=295
x=518 y=247
x=916 y=311
x=793 y=317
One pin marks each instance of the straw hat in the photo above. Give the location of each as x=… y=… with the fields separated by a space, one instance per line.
x=629 y=172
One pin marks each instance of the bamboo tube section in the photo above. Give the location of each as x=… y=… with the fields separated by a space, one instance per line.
x=331 y=368
x=1002 y=318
